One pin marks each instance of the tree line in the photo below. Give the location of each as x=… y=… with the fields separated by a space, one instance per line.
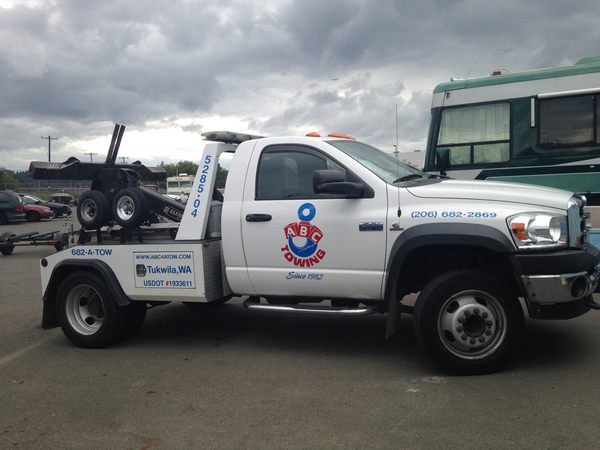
x=190 y=168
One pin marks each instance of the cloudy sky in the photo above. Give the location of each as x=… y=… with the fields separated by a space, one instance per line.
x=172 y=69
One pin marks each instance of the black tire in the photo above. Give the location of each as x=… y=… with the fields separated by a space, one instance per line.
x=3 y=220
x=62 y=241
x=87 y=312
x=136 y=314
x=6 y=248
x=93 y=210
x=32 y=216
x=129 y=208
x=58 y=213
x=468 y=321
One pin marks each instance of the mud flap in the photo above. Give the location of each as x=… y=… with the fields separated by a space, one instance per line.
x=393 y=319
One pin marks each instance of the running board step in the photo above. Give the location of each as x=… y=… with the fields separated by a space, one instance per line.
x=255 y=305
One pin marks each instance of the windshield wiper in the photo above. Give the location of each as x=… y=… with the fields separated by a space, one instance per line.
x=410 y=176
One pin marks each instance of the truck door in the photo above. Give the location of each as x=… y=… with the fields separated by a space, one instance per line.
x=298 y=243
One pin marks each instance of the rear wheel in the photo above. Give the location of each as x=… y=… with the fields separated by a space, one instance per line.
x=87 y=313
x=468 y=321
x=93 y=210
x=129 y=208
x=32 y=216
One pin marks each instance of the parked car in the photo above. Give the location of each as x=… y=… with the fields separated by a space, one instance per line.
x=34 y=213
x=63 y=197
x=60 y=209
x=11 y=207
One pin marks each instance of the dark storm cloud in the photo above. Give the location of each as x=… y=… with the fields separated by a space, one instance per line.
x=73 y=67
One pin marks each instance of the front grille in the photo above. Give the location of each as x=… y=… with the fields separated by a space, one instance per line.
x=578 y=222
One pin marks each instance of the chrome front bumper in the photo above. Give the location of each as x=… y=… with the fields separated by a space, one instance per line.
x=542 y=289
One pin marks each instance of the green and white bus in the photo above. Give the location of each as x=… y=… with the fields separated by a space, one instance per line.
x=538 y=127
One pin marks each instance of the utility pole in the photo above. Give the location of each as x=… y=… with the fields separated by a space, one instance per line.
x=91 y=154
x=50 y=138
x=124 y=159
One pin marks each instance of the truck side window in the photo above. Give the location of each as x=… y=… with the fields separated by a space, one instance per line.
x=288 y=174
x=476 y=134
x=568 y=121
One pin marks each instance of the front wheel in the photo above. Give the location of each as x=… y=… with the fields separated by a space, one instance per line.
x=468 y=321
x=88 y=313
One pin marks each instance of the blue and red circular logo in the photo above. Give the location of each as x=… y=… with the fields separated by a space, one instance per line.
x=303 y=239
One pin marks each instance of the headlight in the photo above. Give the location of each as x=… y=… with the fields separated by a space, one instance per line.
x=538 y=230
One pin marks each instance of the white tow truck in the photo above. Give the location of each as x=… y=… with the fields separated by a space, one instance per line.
x=331 y=225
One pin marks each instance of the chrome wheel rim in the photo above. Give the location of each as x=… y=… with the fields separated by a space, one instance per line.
x=85 y=310
x=472 y=324
x=89 y=210
x=125 y=208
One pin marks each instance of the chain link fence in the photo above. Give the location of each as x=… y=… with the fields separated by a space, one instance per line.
x=75 y=188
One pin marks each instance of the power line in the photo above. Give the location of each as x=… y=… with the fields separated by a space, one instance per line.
x=91 y=154
x=50 y=138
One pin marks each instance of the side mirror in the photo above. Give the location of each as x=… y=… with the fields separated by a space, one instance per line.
x=442 y=160
x=334 y=182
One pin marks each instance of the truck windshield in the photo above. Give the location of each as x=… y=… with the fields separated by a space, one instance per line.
x=382 y=164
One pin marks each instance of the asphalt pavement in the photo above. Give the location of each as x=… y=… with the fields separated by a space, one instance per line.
x=231 y=378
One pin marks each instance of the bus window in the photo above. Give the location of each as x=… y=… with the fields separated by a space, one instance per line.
x=476 y=134
x=460 y=155
x=490 y=153
x=567 y=121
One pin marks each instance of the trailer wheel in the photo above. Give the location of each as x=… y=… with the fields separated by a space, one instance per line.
x=62 y=241
x=468 y=321
x=93 y=210
x=6 y=247
x=129 y=208
x=87 y=312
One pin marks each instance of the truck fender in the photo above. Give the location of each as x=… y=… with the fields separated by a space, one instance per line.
x=68 y=266
x=436 y=234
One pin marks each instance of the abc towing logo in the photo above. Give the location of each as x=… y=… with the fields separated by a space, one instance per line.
x=309 y=253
